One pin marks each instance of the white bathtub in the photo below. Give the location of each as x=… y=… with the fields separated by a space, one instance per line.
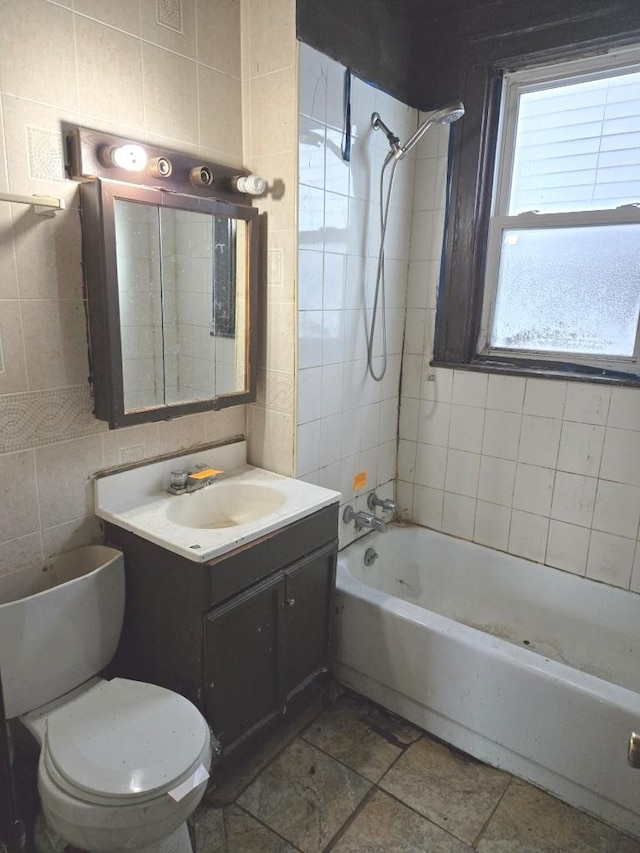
x=527 y=668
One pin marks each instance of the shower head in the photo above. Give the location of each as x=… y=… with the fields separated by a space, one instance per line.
x=449 y=113
x=445 y=115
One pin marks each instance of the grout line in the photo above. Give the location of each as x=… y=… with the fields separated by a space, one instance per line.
x=375 y=786
x=4 y=164
x=351 y=819
x=258 y=820
x=424 y=817
x=491 y=816
x=143 y=94
x=34 y=462
x=333 y=757
x=75 y=58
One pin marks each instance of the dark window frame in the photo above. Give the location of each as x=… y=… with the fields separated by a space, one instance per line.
x=472 y=151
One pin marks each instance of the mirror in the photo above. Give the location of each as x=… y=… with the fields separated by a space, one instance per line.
x=181 y=295
x=172 y=292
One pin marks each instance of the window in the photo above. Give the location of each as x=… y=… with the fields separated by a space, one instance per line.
x=562 y=275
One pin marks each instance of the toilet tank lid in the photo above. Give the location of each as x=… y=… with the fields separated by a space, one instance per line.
x=126 y=739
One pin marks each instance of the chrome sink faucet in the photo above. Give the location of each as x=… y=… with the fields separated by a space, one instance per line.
x=386 y=504
x=363 y=520
x=184 y=482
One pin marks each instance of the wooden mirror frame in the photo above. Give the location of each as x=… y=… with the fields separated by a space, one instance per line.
x=101 y=280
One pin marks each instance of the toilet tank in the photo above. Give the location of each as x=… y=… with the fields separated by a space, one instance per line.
x=60 y=622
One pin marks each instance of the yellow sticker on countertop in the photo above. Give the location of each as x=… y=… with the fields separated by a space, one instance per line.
x=205 y=474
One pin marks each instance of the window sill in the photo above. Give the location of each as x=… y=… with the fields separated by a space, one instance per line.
x=543 y=370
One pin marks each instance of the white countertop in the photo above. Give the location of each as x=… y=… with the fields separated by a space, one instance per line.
x=137 y=500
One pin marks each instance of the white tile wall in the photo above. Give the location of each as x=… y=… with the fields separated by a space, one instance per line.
x=347 y=423
x=548 y=470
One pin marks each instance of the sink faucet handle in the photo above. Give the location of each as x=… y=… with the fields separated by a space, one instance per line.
x=178 y=479
x=184 y=482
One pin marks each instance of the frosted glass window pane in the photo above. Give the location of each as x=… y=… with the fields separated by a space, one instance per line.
x=569 y=290
x=577 y=146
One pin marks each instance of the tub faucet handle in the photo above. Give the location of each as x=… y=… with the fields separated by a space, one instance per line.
x=363 y=520
x=387 y=504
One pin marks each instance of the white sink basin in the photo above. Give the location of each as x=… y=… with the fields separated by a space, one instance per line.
x=225 y=504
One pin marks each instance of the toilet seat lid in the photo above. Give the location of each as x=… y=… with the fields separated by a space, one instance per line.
x=126 y=739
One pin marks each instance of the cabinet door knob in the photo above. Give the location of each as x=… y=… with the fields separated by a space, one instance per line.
x=290 y=602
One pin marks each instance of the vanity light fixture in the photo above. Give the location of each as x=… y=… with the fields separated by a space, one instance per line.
x=131 y=157
x=91 y=154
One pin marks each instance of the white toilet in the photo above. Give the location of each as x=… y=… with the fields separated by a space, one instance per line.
x=123 y=764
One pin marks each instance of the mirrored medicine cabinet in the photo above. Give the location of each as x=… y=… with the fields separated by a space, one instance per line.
x=171 y=281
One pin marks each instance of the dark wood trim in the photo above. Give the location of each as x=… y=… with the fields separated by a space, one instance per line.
x=93 y=262
x=540 y=369
x=460 y=293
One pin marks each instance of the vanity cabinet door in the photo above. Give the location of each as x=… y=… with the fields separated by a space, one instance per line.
x=265 y=644
x=242 y=651
x=306 y=618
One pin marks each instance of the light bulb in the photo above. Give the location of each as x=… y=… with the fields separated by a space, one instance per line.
x=131 y=157
x=251 y=184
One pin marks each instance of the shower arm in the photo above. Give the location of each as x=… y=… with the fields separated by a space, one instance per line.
x=445 y=115
x=378 y=124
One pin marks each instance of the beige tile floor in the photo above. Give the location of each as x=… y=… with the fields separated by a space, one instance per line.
x=358 y=780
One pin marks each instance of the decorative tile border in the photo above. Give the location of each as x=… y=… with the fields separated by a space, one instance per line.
x=46 y=160
x=275 y=267
x=35 y=418
x=169 y=14
x=275 y=391
x=135 y=453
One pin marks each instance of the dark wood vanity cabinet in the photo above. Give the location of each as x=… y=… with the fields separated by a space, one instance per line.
x=240 y=635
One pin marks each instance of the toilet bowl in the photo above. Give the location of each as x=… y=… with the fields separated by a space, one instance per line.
x=123 y=763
